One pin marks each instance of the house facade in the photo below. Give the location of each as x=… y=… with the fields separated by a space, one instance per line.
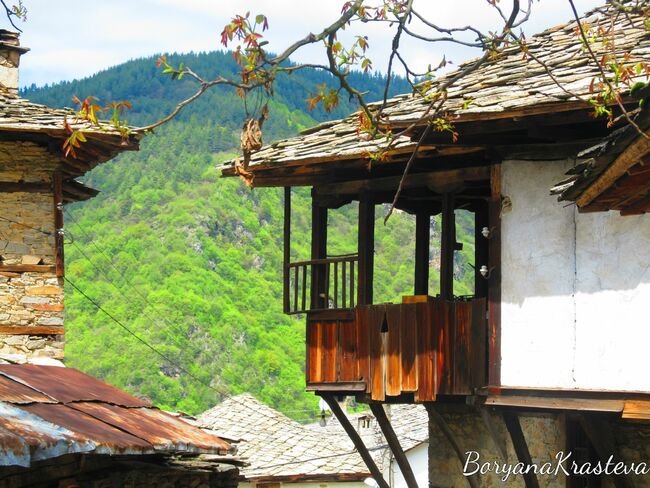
x=546 y=357
x=59 y=426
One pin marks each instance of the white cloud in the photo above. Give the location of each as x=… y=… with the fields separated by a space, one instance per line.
x=75 y=38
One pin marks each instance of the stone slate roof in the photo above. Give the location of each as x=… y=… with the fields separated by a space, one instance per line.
x=41 y=123
x=511 y=86
x=410 y=422
x=517 y=84
x=278 y=447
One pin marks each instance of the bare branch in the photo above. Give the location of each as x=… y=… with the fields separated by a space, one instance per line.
x=325 y=34
x=442 y=39
x=18 y=12
x=442 y=88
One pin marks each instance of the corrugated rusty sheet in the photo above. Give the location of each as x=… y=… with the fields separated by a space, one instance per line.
x=109 y=439
x=13 y=392
x=165 y=432
x=68 y=385
x=25 y=438
x=49 y=411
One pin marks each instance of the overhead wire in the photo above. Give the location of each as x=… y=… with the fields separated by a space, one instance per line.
x=165 y=357
x=133 y=288
x=140 y=339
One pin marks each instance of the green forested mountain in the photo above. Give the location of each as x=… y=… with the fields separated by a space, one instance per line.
x=192 y=262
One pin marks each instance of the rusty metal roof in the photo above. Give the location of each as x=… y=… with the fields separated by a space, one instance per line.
x=49 y=411
x=67 y=385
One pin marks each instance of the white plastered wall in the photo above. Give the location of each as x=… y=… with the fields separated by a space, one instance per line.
x=575 y=289
x=419 y=460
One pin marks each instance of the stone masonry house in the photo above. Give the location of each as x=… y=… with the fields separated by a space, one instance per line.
x=59 y=426
x=543 y=366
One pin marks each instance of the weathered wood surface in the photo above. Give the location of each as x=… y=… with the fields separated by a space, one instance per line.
x=394 y=444
x=425 y=349
x=332 y=281
x=494 y=279
x=31 y=330
x=356 y=440
x=27 y=268
x=513 y=425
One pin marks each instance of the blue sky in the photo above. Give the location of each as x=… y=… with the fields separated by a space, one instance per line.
x=76 y=38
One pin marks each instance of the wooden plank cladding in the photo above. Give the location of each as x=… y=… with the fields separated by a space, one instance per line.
x=423 y=349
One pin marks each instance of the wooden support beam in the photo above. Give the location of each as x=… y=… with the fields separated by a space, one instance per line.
x=356 y=440
x=439 y=181
x=57 y=184
x=601 y=438
x=422 y=242
x=22 y=187
x=287 y=249
x=511 y=420
x=436 y=418
x=318 y=251
x=31 y=330
x=447 y=247
x=641 y=206
x=494 y=283
x=27 y=268
x=497 y=439
x=481 y=248
x=366 y=243
x=394 y=444
x=628 y=158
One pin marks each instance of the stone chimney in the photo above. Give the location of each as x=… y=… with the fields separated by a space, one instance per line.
x=10 y=52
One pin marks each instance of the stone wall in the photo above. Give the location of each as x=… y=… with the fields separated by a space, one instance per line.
x=31 y=303
x=31 y=300
x=545 y=435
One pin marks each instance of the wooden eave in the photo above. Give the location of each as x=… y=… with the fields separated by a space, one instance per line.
x=72 y=191
x=508 y=108
x=309 y=478
x=557 y=135
x=629 y=405
x=614 y=174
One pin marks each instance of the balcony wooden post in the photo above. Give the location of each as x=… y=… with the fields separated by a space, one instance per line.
x=366 y=242
x=494 y=283
x=481 y=250
x=356 y=440
x=287 y=248
x=393 y=442
x=318 y=251
x=422 y=242
x=57 y=186
x=447 y=247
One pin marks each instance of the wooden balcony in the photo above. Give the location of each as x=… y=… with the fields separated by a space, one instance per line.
x=409 y=351
x=336 y=277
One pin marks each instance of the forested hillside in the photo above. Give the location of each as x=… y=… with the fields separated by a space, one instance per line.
x=192 y=262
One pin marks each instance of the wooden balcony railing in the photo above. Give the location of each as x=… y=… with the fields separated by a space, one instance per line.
x=420 y=349
x=336 y=284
